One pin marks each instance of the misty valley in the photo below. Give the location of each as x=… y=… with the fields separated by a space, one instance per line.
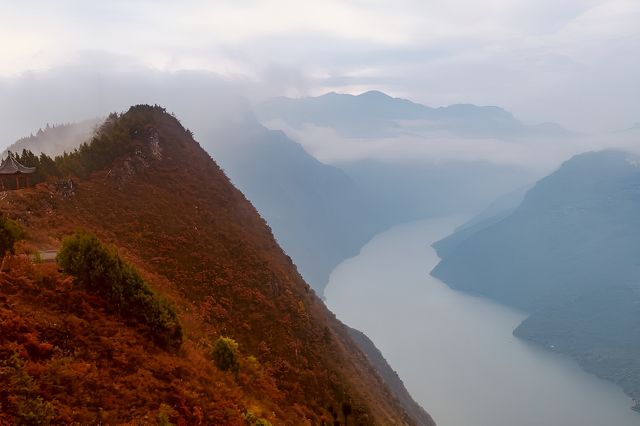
x=320 y=213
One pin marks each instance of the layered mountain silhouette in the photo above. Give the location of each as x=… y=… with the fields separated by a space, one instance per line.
x=566 y=255
x=322 y=214
x=375 y=114
x=499 y=209
x=147 y=189
x=317 y=212
x=403 y=191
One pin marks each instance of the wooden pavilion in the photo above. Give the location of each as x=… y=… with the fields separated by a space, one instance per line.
x=11 y=167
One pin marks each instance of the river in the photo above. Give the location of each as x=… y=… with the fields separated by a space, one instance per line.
x=455 y=352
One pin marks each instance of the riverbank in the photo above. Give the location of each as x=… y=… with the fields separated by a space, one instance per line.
x=456 y=353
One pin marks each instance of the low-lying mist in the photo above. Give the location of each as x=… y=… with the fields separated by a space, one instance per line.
x=204 y=101
x=540 y=155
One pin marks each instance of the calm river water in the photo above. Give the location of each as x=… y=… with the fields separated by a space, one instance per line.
x=455 y=352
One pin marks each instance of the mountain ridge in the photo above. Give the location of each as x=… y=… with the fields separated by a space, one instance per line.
x=376 y=114
x=171 y=212
x=318 y=213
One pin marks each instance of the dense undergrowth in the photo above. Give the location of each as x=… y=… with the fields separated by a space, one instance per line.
x=10 y=233
x=101 y=271
x=64 y=358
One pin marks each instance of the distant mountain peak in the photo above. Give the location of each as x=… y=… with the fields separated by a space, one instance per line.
x=374 y=94
x=374 y=113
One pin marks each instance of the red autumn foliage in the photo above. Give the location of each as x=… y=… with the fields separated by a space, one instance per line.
x=198 y=242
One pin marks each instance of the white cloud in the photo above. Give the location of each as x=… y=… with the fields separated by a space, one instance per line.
x=572 y=61
x=538 y=155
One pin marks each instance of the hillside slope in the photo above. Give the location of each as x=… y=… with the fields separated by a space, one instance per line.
x=568 y=256
x=317 y=213
x=172 y=213
x=500 y=208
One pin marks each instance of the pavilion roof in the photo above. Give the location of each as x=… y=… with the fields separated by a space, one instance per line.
x=11 y=166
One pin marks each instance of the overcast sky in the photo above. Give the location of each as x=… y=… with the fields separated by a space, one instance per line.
x=576 y=62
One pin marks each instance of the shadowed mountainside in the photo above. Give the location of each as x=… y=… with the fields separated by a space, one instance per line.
x=407 y=191
x=318 y=214
x=493 y=213
x=567 y=255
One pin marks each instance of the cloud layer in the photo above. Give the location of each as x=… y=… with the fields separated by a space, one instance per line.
x=574 y=62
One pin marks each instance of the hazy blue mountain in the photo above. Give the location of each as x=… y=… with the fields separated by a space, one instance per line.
x=375 y=114
x=317 y=213
x=405 y=191
x=372 y=113
x=322 y=214
x=601 y=329
x=499 y=209
x=575 y=229
x=568 y=255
